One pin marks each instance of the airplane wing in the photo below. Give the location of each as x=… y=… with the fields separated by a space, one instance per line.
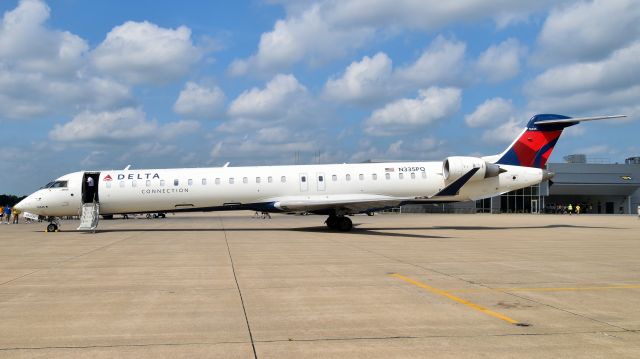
x=347 y=203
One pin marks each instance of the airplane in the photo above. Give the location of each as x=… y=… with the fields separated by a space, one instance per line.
x=334 y=190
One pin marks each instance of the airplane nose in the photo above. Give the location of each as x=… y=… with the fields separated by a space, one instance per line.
x=21 y=205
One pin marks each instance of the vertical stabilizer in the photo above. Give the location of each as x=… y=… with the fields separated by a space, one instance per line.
x=535 y=143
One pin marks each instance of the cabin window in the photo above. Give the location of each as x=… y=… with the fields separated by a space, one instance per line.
x=303 y=179
x=348 y=177
x=176 y=182
x=374 y=176
x=134 y=183
x=387 y=176
x=424 y=175
x=320 y=178
x=413 y=175
x=334 y=178
x=257 y=179
x=401 y=175
x=204 y=181
x=217 y=180
x=161 y=183
x=121 y=184
x=148 y=183
x=270 y=179
x=361 y=177
x=283 y=179
x=108 y=184
x=245 y=180
x=190 y=182
x=231 y=180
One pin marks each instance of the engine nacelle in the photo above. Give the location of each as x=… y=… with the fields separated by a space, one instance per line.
x=456 y=166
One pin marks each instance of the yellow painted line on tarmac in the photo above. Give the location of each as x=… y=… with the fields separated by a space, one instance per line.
x=457 y=299
x=549 y=289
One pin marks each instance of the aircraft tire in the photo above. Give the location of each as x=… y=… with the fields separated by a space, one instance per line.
x=345 y=224
x=52 y=227
x=332 y=222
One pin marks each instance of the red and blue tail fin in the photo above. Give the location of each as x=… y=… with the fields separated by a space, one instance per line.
x=535 y=144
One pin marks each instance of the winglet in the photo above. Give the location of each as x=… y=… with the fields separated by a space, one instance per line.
x=454 y=188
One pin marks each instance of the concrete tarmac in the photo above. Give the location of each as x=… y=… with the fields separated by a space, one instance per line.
x=399 y=286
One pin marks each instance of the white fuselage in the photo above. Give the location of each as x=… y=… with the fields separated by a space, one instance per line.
x=220 y=188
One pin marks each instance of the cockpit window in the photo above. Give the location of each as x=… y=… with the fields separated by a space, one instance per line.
x=48 y=185
x=59 y=184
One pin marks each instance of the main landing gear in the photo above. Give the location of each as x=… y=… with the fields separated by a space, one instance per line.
x=340 y=223
x=53 y=225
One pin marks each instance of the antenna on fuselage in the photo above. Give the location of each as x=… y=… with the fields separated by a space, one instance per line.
x=226 y=165
x=127 y=168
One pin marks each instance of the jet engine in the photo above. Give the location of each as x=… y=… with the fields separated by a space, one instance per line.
x=456 y=166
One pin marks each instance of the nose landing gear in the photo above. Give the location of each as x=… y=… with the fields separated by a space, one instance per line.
x=53 y=225
x=340 y=223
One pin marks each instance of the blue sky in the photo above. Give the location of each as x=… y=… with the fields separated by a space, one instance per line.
x=103 y=84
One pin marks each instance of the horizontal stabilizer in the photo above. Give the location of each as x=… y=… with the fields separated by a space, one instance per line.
x=454 y=188
x=576 y=119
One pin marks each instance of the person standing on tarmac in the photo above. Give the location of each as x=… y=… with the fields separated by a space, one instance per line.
x=7 y=214
x=570 y=209
x=16 y=215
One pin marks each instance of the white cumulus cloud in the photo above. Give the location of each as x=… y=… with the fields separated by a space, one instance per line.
x=43 y=70
x=274 y=101
x=323 y=30
x=27 y=44
x=588 y=30
x=374 y=79
x=491 y=111
x=586 y=86
x=504 y=133
x=119 y=125
x=429 y=14
x=200 y=102
x=362 y=81
x=501 y=62
x=142 y=52
x=292 y=39
x=405 y=115
x=442 y=63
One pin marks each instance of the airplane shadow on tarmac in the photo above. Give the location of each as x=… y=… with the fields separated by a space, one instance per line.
x=318 y=229
x=493 y=228
x=357 y=230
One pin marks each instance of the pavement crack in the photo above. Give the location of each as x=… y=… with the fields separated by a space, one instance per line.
x=400 y=337
x=235 y=278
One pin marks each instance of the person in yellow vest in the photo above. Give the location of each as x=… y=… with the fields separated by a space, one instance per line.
x=16 y=215
x=570 y=209
x=577 y=209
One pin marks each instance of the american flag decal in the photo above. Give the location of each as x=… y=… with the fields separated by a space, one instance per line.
x=389 y=169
